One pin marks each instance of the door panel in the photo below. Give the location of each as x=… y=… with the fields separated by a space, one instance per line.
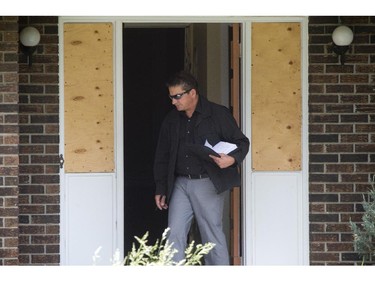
x=90 y=216
x=276 y=217
x=88 y=178
x=278 y=195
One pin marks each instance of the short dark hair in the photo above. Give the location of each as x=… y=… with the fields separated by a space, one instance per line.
x=183 y=79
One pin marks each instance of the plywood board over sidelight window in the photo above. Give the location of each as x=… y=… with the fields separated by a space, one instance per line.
x=88 y=97
x=276 y=104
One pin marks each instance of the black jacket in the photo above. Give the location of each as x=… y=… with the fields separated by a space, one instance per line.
x=215 y=124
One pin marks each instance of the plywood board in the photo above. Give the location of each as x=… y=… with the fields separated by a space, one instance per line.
x=88 y=97
x=276 y=96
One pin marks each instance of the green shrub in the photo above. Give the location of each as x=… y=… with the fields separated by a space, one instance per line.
x=364 y=235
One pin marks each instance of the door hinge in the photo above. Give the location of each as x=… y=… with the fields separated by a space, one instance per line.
x=61 y=160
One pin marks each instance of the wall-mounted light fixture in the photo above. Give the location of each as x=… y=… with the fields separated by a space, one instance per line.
x=29 y=38
x=342 y=37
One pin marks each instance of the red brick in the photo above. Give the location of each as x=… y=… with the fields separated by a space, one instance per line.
x=8 y=253
x=45 y=259
x=324 y=257
x=354 y=78
x=340 y=208
x=339 y=228
x=340 y=247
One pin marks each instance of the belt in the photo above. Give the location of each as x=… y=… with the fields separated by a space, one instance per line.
x=194 y=177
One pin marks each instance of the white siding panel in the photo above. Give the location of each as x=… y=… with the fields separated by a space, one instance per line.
x=277 y=226
x=90 y=217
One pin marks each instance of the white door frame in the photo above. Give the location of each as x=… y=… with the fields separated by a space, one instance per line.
x=247 y=191
x=117 y=175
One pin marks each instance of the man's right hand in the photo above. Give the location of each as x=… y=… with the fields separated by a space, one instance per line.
x=160 y=202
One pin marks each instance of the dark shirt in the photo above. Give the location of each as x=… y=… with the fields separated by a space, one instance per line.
x=214 y=123
x=187 y=163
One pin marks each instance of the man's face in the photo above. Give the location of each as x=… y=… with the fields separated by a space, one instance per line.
x=183 y=100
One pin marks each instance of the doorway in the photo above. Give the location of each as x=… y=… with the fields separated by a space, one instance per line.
x=150 y=56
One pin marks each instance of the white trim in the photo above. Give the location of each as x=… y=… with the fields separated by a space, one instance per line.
x=63 y=209
x=247 y=202
x=119 y=139
x=181 y=19
x=305 y=140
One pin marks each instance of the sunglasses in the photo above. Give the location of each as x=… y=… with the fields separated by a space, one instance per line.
x=179 y=96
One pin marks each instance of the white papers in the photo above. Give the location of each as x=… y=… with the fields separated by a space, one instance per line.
x=222 y=147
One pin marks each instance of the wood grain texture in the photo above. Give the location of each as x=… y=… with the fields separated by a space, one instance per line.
x=276 y=96
x=88 y=97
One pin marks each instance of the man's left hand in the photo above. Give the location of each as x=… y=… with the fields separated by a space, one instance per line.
x=224 y=161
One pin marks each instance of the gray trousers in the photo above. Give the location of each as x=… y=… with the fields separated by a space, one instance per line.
x=197 y=198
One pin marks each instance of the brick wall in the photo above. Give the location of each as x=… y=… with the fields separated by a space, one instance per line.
x=341 y=136
x=39 y=147
x=8 y=141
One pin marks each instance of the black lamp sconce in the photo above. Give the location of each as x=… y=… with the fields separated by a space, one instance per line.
x=29 y=38
x=342 y=37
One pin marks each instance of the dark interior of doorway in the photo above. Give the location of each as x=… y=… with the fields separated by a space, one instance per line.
x=150 y=55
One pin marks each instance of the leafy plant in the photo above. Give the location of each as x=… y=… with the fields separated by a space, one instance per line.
x=162 y=252
x=364 y=235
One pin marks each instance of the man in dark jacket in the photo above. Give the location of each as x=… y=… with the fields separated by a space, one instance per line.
x=187 y=182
